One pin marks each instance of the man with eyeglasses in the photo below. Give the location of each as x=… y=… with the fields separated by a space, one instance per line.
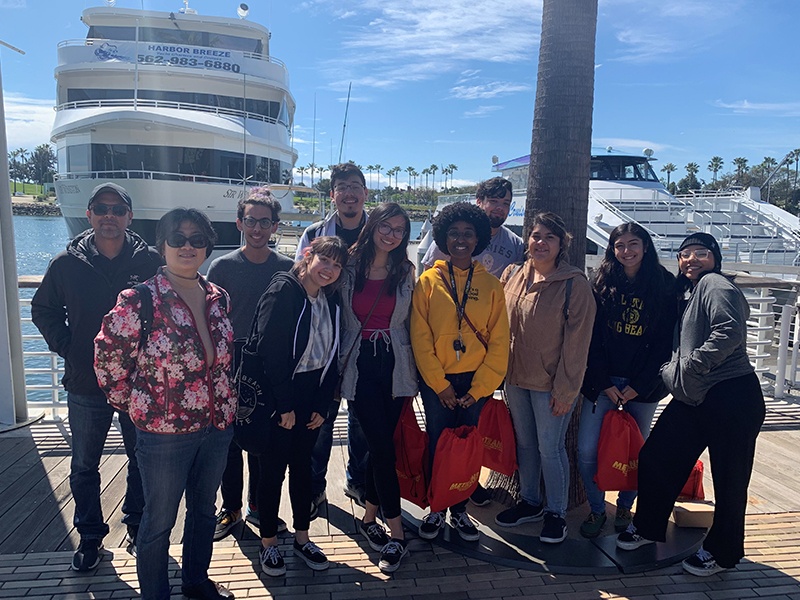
x=79 y=287
x=349 y=193
x=245 y=274
x=493 y=196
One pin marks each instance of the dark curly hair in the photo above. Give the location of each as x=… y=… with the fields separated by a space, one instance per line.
x=362 y=253
x=172 y=220
x=462 y=211
x=656 y=284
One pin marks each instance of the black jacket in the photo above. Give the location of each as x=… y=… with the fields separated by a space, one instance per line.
x=78 y=289
x=284 y=328
x=632 y=341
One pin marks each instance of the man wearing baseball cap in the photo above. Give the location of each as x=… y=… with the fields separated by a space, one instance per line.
x=80 y=286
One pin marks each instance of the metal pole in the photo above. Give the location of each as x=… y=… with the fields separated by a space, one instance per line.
x=13 y=400
x=783 y=350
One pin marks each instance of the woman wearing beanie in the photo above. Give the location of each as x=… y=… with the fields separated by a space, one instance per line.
x=716 y=404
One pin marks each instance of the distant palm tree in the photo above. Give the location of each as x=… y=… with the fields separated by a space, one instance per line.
x=414 y=175
x=715 y=165
x=302 y=171
x=409 y=170
x=311 y=168
x=692 y=169
x=370 y=169
x=426 y=171
x=669 y=169
x=396 y=170
x=378 y=168
x=433 y=169
x=452 y=168
x=741 y=168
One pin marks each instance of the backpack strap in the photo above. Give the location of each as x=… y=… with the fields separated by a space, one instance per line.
x=567 y=294
x=146 y=313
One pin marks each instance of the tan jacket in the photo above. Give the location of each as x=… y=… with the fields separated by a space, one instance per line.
x=548 y=354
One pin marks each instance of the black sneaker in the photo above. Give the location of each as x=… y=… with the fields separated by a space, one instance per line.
x=226 y=521
x=375 y=534
x=461 y=522
x=130 y=539
x=631 y=540
x=481 y=496
x=208 y=590
x=271 y=561
x=356 y=494
x=554 y=530
x=431 y=525
x=87 y=556
x=316 y=502
x=312 y=554
x=702 y=564
x=521 y=513
x=391 y=555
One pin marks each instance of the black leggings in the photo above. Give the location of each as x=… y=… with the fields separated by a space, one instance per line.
x=292 y=448
x=727 y=422
x=378 y=413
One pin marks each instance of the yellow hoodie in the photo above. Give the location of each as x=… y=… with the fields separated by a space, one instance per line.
x=434 y=328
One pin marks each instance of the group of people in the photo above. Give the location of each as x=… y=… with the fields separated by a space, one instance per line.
x=145 y=335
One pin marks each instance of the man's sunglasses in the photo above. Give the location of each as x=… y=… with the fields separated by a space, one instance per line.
x=177 y=240
x=101 y=210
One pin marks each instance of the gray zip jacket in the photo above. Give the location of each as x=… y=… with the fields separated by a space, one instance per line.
x=404 y=377
x=709 y=341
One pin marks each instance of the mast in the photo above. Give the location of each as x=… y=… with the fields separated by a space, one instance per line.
x=344 y=124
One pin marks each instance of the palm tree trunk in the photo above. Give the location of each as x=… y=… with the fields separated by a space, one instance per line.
x=561 y=146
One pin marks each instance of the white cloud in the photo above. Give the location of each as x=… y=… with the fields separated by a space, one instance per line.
x=640 y=46
x=413 y=40
x=481 y=111
x=13 y=4
x=28 y=121
x=772 y=109
x=487 y=90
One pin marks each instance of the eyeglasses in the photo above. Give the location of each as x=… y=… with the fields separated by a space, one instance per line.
x=265 y=222
x=101 y=210
x=465 y=235
x=341 y=188
x=177 y=240
x=386 y=229
x=687 y=254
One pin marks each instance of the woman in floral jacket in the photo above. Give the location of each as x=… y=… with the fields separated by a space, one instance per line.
x=176 y=386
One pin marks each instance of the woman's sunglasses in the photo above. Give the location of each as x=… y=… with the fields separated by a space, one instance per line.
x=177 y=240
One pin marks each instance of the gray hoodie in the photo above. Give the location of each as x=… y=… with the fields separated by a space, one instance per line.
x=709 y=341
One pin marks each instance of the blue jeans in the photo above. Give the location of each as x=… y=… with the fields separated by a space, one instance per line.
x=89 y=421
x=357 y=450
x=171 y=464
x=540 y=448
x=589 y=435
x=438 y=417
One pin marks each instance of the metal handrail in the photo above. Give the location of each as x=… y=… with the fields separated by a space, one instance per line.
x=163 y=175
x=137 y=102
x=55 y=400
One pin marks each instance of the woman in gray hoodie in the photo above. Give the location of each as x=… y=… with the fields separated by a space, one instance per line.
x=716 y=404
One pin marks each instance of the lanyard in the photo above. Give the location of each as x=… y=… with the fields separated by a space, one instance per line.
x=460 y=306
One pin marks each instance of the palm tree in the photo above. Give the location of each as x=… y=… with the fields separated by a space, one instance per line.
x=452 y=168
x=433 y=169
x=741 y=168
x=378 y=168
x=426 y=171
x=561 y=140
x=311 y=168
x=669 y=169
x=445 y=171
x=715 y=165
x=692 y=169
x=395 y=171
x=409 y=170
x=302 y=171
x=370 y=169
x=414 y=174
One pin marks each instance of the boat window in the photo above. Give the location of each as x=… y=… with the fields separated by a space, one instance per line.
x=175 y=163
x=622 y=168
x=177 y=36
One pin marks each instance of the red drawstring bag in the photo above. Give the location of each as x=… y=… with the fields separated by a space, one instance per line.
x=693 y=490
x=618 y=452
x=456 y=466
x=497 y=434
x=411 y=456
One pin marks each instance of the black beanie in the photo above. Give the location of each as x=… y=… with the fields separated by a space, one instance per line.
x=706 y=240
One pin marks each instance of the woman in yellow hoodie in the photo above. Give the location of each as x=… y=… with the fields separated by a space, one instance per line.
x=551 y=313
x=459 y=367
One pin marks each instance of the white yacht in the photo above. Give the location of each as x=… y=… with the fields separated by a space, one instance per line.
x=624 y=187
x=179 y=108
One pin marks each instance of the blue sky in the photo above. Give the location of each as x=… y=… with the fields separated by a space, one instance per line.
x=451 y=81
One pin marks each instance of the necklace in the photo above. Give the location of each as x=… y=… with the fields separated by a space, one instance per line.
x=196 y=275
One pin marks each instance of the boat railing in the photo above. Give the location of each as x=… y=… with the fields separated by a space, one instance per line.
x=148 y=103
x=94 y=41
x=622 y=216
x=158 y=175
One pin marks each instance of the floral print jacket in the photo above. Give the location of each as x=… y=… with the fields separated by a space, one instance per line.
x=167 y=386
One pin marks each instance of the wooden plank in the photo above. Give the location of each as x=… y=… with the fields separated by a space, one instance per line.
x=12 y=449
